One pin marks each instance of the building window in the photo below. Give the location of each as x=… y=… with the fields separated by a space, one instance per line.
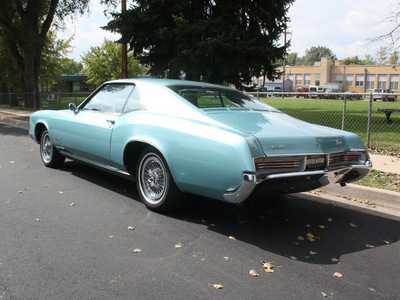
x=299 y=79
x=339 y=78
x=382 y=81
x=359 y=80
x=394 y=82
x=307 y=79
x=370 y=82
x=317 y=76
x=349 y=80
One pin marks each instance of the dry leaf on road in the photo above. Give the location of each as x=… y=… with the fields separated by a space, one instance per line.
x=216 y=286
x=254 y=273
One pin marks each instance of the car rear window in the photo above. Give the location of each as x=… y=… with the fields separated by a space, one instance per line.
x=214 y=97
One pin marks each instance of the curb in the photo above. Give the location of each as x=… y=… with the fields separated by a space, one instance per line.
x=368 y=195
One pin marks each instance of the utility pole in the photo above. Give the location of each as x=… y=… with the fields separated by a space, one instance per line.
x=124 y=73
x=284 y=64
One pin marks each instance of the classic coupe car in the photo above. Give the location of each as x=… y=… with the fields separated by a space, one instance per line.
x=174 y=137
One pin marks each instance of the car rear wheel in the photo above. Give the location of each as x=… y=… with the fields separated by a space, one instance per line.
x=50 y=156
x=156 y=186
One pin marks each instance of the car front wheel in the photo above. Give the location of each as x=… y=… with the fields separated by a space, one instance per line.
x=156 y=186
x=50 y=156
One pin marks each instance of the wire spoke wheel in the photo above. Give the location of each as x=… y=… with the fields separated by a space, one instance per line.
x=46 y=148
x=50 y=156
x=153 y=178
x=155 y=183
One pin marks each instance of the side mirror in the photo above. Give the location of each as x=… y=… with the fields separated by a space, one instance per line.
x=72 y=106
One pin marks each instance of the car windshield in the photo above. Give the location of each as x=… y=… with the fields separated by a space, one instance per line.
x=214 y=97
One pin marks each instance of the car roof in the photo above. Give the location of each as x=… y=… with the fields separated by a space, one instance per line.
x=163 y=82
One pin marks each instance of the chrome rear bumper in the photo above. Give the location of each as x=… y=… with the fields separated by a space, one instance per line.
x=300 y=180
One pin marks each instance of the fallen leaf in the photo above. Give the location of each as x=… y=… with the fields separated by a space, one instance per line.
x=216 y=286
x=72 y=204
x=293 y=257
x=329 y=219
x=178 y=246
x=313 y=253
x=226 y=258
x=353 y=225
x=321 y=226
x=60 y=192
x=335 y=260
x=136 y=250
x=300 y=238
x=369 y=246
x=386 y=242
x=324 y=294
x=254 y=273
x=131 y=228
x=213 y=225
x=337 y=274
x=11 y=162
x=19 y=192
x=111 y=236
x=372 y=290
x=37 y=220
x=232 y=237
x=308 y=226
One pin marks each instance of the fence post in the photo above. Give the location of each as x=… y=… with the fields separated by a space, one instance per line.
x=344 y=113
x=369 y=120
x=258 y=95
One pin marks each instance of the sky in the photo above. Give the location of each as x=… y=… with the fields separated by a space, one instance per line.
x=344 y=26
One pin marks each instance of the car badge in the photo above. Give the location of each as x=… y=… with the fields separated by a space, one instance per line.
x=274 y=147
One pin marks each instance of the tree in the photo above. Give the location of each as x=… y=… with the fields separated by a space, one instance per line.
x=315 y=54
x=216 y=41
x=53 y=58
x=71 y=67
x=369 y=60
x=394 y=58
x=292 y=58
x=352 y=61
x=382 y=55
x=25 y=25
x=103 y=63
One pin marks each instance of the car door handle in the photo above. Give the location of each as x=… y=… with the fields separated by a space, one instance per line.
x=111 y=122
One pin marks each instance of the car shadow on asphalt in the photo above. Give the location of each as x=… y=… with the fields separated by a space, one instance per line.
x=304 y=227
x=10 y=129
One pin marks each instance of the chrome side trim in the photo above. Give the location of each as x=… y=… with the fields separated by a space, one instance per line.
x=96 y=165
x=327 y=176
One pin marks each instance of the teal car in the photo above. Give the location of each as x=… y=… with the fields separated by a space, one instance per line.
x=174 y=137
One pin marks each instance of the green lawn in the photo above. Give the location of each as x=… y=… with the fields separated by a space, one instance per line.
x=384 y=135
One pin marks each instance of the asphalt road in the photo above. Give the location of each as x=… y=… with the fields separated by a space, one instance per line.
x=51 y=249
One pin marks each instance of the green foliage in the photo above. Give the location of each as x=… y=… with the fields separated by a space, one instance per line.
x=25 y=25
x=53 y=58
x=103 y=63
x=382 y=55
x=394 y=58
x=353 y=61
x=369 y=60
x=314 y=54
x=292 y=58
x=221 y=40
x=71 y=67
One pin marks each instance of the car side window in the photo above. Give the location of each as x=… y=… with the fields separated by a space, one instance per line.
x=133 y=102
x=110 y=98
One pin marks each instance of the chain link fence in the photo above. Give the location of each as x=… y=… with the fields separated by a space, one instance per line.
x=375 y=118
